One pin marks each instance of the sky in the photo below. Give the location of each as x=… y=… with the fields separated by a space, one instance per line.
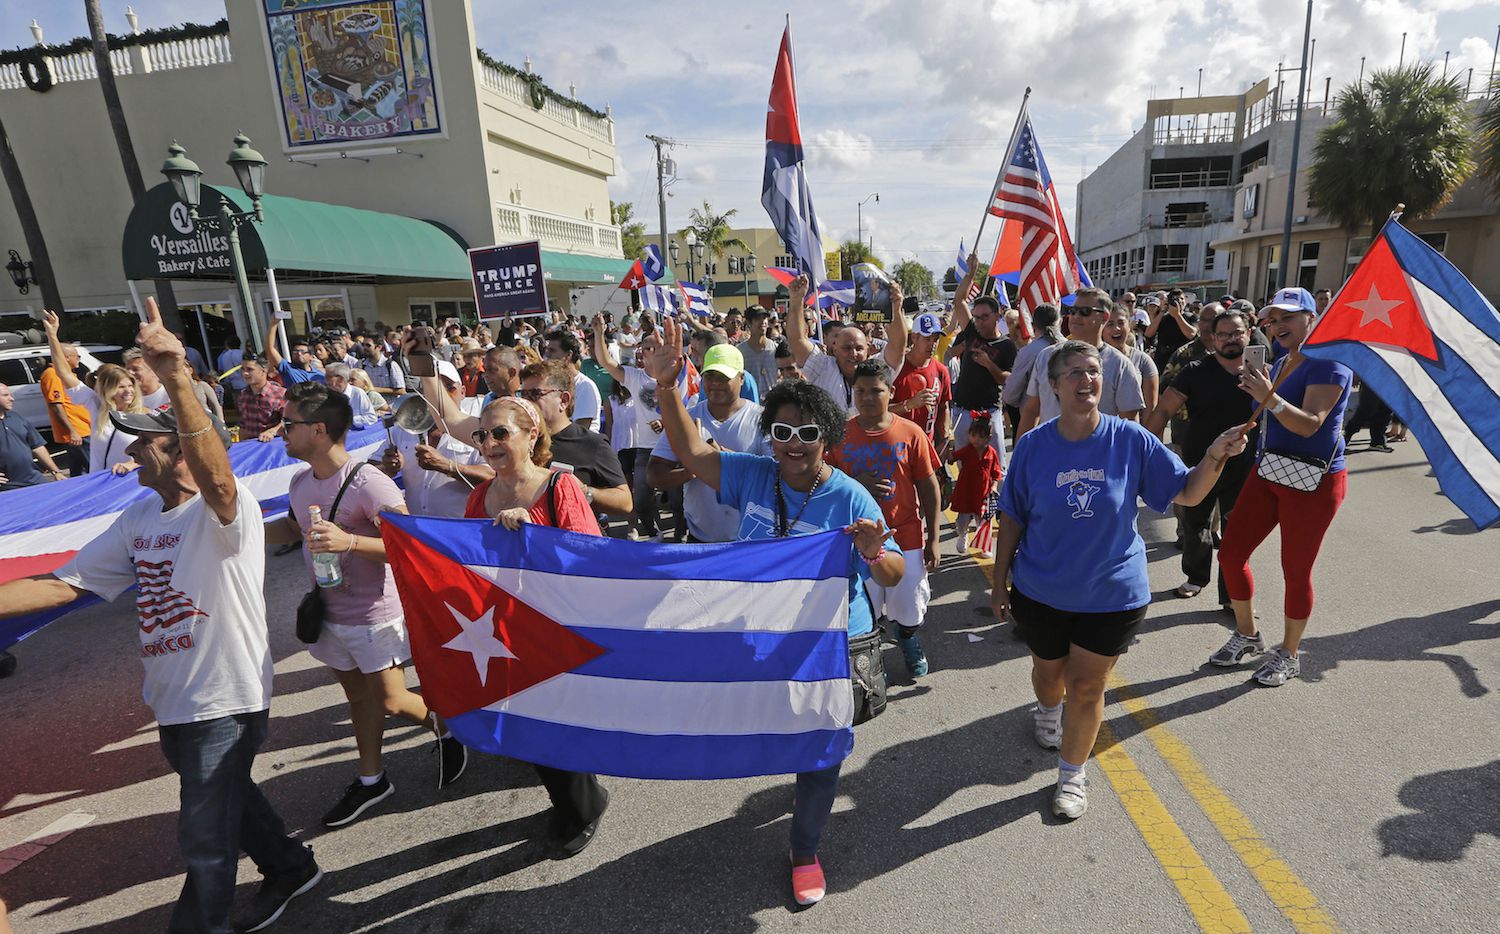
x=913 y=101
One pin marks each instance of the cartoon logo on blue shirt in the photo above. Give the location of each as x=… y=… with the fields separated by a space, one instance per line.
x=1080 y=495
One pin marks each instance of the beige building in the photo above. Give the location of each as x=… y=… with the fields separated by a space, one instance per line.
x=391 y=148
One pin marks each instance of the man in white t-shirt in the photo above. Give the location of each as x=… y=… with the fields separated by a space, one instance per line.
x=587 y=403
x=832 y=369
x=153 y=393
x=439 y=470
x=194 y=551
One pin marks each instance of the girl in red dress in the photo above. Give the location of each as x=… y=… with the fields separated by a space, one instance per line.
x=978 y=476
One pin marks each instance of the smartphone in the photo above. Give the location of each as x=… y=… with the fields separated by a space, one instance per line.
x=1256 y=355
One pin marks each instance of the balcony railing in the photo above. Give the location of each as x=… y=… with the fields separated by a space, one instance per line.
x=1206 y=178
x=556 y=231
x=156 y=56
x=517 y=90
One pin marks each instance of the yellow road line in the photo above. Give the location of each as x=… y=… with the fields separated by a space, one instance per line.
x=1211 y=904
x=1290 y=895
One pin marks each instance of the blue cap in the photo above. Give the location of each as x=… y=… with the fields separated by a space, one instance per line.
x=1293 y=300
x=927 y=324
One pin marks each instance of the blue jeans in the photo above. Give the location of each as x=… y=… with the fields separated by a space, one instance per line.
x=811 y=808
x=223 y=812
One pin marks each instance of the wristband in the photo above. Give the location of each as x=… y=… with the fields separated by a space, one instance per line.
x=871 y=561
x=1279 y=407
x=353 y=539
x=193 y=434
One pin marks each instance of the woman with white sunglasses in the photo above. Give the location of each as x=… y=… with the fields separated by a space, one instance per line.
x=792 y=492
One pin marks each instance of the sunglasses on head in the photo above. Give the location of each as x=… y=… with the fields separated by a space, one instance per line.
x=499 y=433
x=807 y=434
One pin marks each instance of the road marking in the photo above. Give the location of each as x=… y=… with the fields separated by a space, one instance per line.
x=1211 y=904
x=11 y=857
x=1290 y=895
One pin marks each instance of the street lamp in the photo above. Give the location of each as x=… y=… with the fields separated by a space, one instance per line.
x=859 y=209
x=250 y=171
x=746 y=265
x=22 y=272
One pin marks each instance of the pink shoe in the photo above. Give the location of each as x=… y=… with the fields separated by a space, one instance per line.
x=808 y=886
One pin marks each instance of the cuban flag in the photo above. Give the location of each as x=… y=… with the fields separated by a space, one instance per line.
x=623 y=658
x=635 y=278
x=784 y=191
x=836 y=292
x=43 y=527
x=660 y=299
x=1423 y=339
x=652 y=263
x=695 y=298
x=961 y=265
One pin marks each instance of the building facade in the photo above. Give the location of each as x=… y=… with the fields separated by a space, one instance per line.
x=738 y=280
x=408 y=119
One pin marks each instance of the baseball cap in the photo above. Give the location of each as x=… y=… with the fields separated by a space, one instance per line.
x=1153 y=299
x=449 y=372
x=159 y=423
x=927 y=324
x=724 y=359
x=1293 y=300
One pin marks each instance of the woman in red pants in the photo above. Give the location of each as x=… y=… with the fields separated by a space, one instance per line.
x=1303 y=424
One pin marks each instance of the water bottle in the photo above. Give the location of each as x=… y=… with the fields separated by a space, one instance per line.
x=327 y=571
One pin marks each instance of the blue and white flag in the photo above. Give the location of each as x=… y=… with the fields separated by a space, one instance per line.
x=961 y=265
x=660 y=299
x=784 y=191
x=652 y=263
x=836 y=292
x=695 y=298
x=1424 y=340
x=600 y=655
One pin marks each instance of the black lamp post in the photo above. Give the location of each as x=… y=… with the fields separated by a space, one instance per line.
x=22 y=272
x=250 y=171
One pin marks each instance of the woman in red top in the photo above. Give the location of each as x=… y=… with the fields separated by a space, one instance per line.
x=978 y=476
x=515 y=442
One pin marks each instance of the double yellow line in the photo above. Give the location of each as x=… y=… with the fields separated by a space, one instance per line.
x=1210 y=903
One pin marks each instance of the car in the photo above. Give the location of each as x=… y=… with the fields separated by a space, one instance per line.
x=21 y=369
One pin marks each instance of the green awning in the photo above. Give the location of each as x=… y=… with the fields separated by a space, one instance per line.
x=583 y=270
x=299 y=239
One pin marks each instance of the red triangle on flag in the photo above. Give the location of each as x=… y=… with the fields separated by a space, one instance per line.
x=473 y=643
x=635 y=278
x=1376 y=306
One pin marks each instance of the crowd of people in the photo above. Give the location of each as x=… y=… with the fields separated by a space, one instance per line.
x=1041 y=434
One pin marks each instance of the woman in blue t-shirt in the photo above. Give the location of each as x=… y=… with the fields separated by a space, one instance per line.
x=792 y=492
x=1077 y=565
x=1304 y=418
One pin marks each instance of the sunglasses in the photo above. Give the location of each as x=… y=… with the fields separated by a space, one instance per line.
x=535 y=395
x=807 y=434
x=499 y=433
x=1084 y=312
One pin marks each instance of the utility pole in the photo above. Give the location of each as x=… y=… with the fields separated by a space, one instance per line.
x=1291 y=178
x=661 y=191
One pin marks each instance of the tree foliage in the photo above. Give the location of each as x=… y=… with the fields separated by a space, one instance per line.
x=854 y=251
x=1402 y=136
x=713 y=230
x=916 y=279
x=632 y=231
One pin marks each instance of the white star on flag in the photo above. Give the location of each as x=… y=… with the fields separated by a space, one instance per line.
x=477 y=637
x=1375 y=308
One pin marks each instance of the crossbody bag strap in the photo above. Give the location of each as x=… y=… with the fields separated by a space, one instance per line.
x=551 y=496
x=334 y=511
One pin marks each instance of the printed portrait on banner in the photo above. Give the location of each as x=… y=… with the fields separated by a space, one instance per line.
x=350 y=72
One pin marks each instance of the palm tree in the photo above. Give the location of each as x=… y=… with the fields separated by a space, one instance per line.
x=1489 y=138
x=31 y=229
x=1401 y=136
x=712 y=230
x=855 y=251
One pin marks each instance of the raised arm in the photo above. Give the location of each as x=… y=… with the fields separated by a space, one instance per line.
x=960 y=318
x=602 y=356
x=796 y=322
x=273 y=354
x=206 y=456
x=663 y=363
x=895 y=332
x=50 y=324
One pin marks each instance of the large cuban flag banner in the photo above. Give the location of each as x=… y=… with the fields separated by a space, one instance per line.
x=623 y=658
x=42 y=527
x=1427 y=343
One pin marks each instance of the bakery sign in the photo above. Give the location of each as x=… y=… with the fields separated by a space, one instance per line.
x=163 y=241
x=349 y=72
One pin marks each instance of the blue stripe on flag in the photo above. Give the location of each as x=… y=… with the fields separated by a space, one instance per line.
x=537 y=548
x=692 y=656
x=640 y=755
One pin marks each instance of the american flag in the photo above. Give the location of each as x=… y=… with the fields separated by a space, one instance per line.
x=1025 y=195
x=984 y=529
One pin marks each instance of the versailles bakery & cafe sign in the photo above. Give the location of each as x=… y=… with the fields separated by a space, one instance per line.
x=162 y=241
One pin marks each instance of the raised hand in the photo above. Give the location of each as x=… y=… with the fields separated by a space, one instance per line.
x=663 y=361
x=50 y=322
x=163 y=352
x=797 y=289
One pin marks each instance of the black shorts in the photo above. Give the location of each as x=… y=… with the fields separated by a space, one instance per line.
x=1048 y=631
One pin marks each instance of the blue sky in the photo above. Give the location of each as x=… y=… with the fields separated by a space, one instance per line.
x=913 y=100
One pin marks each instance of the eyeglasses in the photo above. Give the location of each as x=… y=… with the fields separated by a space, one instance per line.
x=293 y=421
x=1083 y=312
x=535 y=395
x=807 y=434
x=499 y=433
x=1076 y=375
x=1237 y=332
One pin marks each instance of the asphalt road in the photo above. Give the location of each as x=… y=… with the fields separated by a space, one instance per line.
x=1362 y=797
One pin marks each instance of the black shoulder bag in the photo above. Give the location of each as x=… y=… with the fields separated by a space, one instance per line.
x=310 y=612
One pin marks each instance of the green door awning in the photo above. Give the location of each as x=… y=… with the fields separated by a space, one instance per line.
x=583 y=270
x=299 y=239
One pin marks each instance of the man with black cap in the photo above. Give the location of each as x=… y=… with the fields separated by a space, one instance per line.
x=195 y=552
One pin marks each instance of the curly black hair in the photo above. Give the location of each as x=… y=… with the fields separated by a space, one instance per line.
x=815 y=403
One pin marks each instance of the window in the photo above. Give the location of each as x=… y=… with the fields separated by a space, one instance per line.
x=710 y=269
x=1170 y=259
x=1208 y=261
x=14 y=373
x=1438 y=241
x=1271 y=259
x=1354 y=253
x=785 y=261
x=1307 y=266
x=439 y=310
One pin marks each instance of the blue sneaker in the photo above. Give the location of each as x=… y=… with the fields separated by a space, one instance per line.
x=911 y=650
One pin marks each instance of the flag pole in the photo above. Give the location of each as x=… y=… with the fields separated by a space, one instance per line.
x=1010 y=150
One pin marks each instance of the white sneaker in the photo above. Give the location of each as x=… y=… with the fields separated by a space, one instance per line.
x=1072 y=796
x=1048 y=727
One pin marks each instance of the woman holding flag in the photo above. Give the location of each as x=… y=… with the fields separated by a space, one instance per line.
x=793 y=492
x=1068 y=540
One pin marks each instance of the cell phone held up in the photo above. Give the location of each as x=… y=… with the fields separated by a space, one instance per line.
x=420 y=361
x=1256 y=356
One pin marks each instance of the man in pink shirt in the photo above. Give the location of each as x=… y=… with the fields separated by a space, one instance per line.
x=363 y=636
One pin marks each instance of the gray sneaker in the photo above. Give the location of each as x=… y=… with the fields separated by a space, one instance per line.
x=1072 y=796
x=1048 y=728
x=1237 y=649
x=1277 y=670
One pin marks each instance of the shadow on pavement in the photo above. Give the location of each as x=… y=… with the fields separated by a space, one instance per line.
x=1410 y=638
x=1452 y=809
x=1460 y=526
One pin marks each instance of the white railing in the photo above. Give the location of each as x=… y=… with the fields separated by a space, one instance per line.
x=556 y=231
x=513 y=88
x=157 y=56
